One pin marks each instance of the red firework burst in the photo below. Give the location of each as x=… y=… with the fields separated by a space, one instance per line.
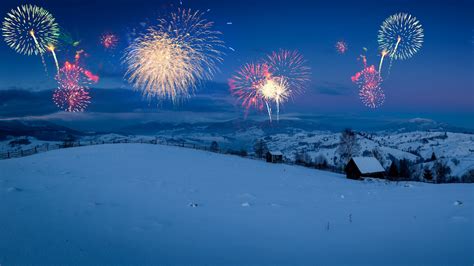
x=246 y=84
x=341 y=47
x=109 y=40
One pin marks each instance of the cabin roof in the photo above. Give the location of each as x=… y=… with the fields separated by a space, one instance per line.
x=276 y=153
x=368 y=165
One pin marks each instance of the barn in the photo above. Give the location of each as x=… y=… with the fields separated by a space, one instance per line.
x=274 y=156
x=359 y=167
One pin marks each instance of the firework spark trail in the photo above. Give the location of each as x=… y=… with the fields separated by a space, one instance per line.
x=51 y=48
x=401 y=36
x=383 y=54
x=171 y=59
x=276 y=89
x=32 y=33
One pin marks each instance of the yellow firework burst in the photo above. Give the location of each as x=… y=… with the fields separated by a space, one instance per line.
x=30 y=29
x=276 y=90
x=169 y=60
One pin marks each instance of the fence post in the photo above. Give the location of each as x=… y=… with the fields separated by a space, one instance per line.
x=36 y=151
x=8 y=154
x=21 y=153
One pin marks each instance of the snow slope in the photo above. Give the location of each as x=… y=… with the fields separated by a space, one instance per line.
x=152 y=204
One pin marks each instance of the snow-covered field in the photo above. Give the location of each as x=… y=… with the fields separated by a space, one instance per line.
x=152 y=204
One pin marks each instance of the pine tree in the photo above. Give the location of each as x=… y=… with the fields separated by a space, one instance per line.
x=433 y=157
x=442 y=171
x=427 y=174
x=260 y=148
x=404 y=169
x=393 y=171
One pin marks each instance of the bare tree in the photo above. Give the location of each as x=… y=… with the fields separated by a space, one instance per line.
x=348 y=146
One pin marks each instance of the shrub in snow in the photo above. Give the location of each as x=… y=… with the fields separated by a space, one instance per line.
x=303 y=158
x=468 y=177
x=455 y=161
x=214 y=147
x=17 y=142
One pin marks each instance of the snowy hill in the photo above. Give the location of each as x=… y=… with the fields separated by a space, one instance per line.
x=151 y=204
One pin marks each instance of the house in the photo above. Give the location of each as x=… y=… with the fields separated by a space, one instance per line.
x=358 y=167
x=274 y=157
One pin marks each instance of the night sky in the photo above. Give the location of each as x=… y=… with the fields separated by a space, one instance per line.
x=437 y=82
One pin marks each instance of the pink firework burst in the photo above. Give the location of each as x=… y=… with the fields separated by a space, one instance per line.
x=71 y=98
x=367 y=78
x=109 y=40
x=72 y=94
x=341 y=47
x=246 y=85
x=291 y=66
x=372 y=98
x=369 y=82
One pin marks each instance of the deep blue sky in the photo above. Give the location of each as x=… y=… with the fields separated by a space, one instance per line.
x=437 y=80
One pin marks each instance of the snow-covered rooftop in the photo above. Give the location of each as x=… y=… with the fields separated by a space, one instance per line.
x=368 y=165
x=276 y=153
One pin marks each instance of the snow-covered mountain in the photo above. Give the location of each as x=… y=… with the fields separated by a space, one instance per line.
x=291 y=137
x=150 y=204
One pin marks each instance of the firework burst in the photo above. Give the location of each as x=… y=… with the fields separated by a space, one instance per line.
x=72 y=94
x=109 y=40
x=372 y=98
x=71 y=97
x=369 y=82
x=30 y=29
x=400 y=37
x=291 y=66
x=247 y=83
x=169 y=60
x=276 y=90
x=341 y=47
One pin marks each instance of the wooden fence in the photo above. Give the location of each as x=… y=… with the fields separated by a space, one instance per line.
x=48 y=147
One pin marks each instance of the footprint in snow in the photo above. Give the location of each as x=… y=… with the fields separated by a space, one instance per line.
x=457 y=203
x=245 y=204
x=14 y=189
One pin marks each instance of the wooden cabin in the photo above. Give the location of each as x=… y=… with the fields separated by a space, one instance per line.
x=359 y=167
x=274 y=156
